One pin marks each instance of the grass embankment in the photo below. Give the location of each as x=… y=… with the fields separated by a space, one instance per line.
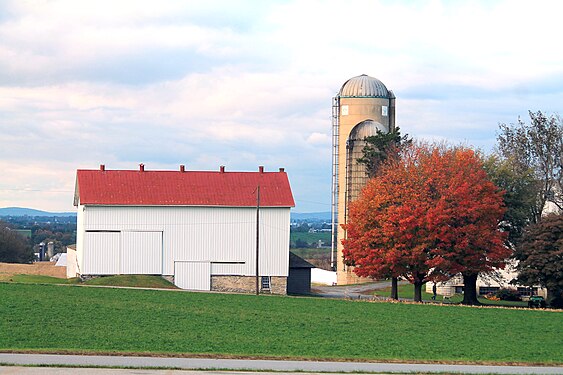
x=67 y=318
x=138 y=281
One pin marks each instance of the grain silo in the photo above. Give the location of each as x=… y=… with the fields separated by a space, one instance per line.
x=362 y=106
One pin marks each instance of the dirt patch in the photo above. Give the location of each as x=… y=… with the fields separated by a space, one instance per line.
x=37 y=268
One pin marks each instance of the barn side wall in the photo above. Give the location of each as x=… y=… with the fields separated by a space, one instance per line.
x=224 y=236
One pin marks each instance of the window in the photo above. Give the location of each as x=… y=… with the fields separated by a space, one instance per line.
x=344 y=110
x=384 y=110
x=525 y=291
x=484 y=290
x=266 y=282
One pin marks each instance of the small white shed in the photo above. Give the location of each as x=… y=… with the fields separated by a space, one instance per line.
x=198 y=227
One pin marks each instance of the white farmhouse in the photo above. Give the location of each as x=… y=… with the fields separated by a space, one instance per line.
x=197 y=228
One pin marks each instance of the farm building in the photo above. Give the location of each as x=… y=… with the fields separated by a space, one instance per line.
x=299 y=280
x=362 y=107
x=198 y=228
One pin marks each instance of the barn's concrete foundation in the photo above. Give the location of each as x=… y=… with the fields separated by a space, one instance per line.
x=247 y=284
x=168 y=278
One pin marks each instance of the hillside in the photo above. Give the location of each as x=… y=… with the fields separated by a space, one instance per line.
x=21 y=211
x=311 y=216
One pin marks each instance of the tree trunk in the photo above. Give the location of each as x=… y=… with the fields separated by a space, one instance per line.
x=470 y=289
x=394 y=288
x=418 y=291
x=555 y=297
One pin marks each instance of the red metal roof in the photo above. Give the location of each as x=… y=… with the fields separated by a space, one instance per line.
x=176 y=188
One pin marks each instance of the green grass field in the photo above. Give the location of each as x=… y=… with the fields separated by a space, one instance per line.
x=138 y=281
x=37 y=279
x=310 y=237
x=71 y=318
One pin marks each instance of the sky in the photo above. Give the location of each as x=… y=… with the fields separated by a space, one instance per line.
x=249 y=83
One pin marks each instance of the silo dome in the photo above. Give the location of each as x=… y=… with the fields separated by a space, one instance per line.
x=364 y=86
x=365 y=129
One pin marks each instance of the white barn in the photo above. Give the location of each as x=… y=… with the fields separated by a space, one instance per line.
x=197 y=228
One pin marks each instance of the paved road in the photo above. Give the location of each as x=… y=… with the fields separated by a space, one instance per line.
x=357 y=291
x=18 y=370
x=264 y=365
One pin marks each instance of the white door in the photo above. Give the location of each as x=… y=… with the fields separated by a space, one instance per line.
x=192 y=275
x=141 y=253
x=101 y=253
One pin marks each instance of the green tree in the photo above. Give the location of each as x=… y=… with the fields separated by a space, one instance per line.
x=520 y=188
x=301 y=228
x=301 y=244
x=381 y=147
x=540 y=256
x=538 y=147
x=14 y=248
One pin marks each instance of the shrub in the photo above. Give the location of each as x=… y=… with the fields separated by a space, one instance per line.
x=506 y=294
x=555 y=298
x=492 y=297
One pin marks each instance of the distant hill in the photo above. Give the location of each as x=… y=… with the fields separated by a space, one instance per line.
x=20 y=211
x=311 y=216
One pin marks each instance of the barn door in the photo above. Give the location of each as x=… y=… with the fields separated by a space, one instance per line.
x=141 y=253
x=192 y=275
x=101 y=253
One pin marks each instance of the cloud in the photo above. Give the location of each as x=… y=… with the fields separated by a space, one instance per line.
x=250 y=83
x=319 y=139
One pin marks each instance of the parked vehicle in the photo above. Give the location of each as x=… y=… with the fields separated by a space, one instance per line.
x=536 y=301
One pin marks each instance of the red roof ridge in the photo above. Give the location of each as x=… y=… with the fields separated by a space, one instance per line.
x=182 y=187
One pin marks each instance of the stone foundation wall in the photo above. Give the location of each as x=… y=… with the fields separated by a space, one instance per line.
x=278 y=285
x=247 y=284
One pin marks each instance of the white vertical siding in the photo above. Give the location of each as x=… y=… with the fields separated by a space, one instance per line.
x=71 y=263
x=215 y=234
x=141 y=253
x=221 y=268
x=101 y=253
x=274 y=243
x=80 y=238
x=193 y=275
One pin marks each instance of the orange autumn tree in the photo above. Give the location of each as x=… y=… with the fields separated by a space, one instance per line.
x=427 y=216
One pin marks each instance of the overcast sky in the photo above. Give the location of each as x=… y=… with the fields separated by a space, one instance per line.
x=243 y=84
